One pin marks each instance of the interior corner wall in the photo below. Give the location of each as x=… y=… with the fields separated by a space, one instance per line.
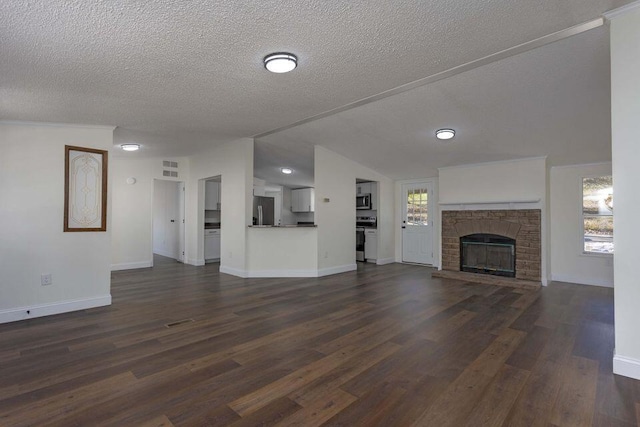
x=31 y=213
x=233 y=161
x=625 y=110
x=335 y=179
x=132 y=208
x=568 y=262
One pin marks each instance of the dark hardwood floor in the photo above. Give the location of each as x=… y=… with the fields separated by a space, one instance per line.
x=383 y=346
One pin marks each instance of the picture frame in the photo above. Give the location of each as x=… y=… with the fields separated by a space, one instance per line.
x=85 y=189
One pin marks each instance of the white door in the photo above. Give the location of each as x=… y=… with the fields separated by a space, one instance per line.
x=417 y=223
x=168 y=219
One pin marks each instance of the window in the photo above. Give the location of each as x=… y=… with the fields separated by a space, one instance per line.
x=597 y=214
x=417 y=213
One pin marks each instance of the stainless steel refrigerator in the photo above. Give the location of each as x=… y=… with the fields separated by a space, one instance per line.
x=263 y=210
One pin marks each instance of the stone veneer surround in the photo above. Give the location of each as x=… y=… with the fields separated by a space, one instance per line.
x=523 y=225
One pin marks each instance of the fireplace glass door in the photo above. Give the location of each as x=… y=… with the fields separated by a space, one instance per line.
x=488 y=254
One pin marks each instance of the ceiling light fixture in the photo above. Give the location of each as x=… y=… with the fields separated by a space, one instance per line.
x=130 y=147
x=280 y=62
x=445 y=134
x=286 y=171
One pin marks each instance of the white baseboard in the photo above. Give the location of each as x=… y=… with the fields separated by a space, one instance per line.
x=384 y=261
x=232 y=271
x=582 y=280
x=31 y=312
x=626 y=366
x=131 y=265
x=287 y=273
x=282 y=273
x=196 y=262
x=335 y=270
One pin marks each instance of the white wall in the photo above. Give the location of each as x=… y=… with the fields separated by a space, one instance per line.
x=568 y=262
x=514 y=180
x=282 y=252
x=132 y=207
x=234 y=162
x=335 y=179
x=625 y=111
x=515 y=184
x=31 y=216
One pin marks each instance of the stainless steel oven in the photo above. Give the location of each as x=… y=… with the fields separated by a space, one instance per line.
x=359 y=243
x=363 y=201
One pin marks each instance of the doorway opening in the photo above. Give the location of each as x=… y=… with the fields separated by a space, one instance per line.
x=212 y=219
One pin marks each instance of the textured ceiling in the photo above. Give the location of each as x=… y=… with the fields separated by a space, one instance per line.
x=180 y=76
x=552 y=101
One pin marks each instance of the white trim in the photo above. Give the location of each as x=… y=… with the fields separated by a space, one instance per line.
x=582 y=280
x=255 y=274
x=626 y=366
x=621 y=10
x=232 y=271
x=385 y=261
x=131 y=265
x=196 y=262
x=53 y=124
x=40 y=310
x=580 y=165
x=281 y=273
x=335 y=270
x=494 y=57
x=494 y=162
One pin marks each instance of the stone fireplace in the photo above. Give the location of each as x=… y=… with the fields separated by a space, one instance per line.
x=522 y=226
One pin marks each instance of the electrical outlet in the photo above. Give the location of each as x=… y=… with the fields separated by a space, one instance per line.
x=46 y=280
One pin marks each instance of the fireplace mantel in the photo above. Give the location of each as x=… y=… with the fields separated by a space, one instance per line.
x=491 y=205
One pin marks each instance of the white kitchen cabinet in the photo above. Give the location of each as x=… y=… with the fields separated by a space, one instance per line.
x=363 y=188
x=373 y=189
x=212 y=244
x=212 y=196
x=371 y=245
x=303 y=200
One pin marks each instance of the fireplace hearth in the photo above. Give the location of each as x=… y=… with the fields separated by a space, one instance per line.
x=488 y=254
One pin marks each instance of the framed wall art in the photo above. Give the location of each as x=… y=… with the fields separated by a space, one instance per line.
x=85 y=189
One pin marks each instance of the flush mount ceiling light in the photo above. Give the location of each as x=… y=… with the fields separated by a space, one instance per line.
x=280 y=62
x=445 y=134
x=130 y=147
x=286 y=171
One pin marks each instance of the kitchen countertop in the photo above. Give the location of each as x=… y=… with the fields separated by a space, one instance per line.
x=211 y=225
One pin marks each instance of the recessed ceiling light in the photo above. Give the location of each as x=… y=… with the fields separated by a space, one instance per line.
x=280 y=62
x=130 y=147
x=286 y=171
x=445 y=134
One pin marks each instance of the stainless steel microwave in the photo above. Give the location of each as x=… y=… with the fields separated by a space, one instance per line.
x=363 y=201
